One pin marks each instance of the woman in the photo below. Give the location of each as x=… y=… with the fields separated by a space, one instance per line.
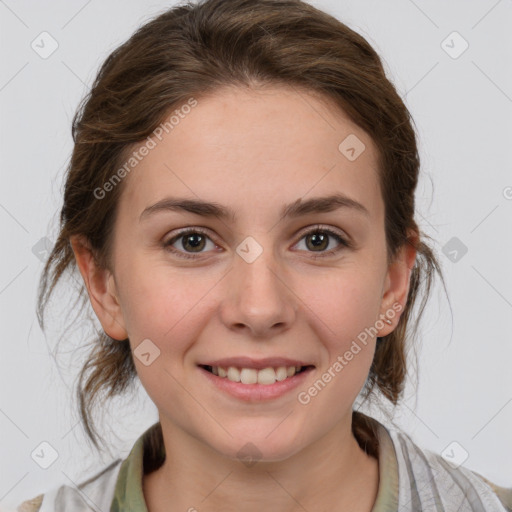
x=240 y=205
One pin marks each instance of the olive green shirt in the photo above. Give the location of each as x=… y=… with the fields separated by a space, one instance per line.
x=410 y=480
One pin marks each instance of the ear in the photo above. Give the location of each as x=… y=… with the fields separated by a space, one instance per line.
x=101 y=288
x=397 y=283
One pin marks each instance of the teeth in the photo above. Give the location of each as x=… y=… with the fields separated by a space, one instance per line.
x=233 y=374
x=281 y=373
x=266 y=376
x=253 y=376
x=248 y=376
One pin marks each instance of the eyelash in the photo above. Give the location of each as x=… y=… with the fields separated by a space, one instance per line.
x=316 y=230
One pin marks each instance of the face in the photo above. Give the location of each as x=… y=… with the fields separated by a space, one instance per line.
x=279 y=277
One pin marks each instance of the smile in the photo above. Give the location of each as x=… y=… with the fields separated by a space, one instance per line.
x=255 y=385
x=265 y=376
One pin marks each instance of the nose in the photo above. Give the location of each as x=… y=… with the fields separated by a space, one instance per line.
x=259 y=301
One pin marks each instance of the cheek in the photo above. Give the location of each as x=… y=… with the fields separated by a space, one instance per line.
x=343 y=316
x=151 y=309
x=344 y=304
x=162 y=305
x=167 y=310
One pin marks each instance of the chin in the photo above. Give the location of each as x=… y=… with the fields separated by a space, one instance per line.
x=250 y=446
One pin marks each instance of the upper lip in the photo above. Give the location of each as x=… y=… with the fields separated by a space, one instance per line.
x=248 y=362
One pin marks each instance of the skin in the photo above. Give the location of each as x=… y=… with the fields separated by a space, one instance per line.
x=253 y=151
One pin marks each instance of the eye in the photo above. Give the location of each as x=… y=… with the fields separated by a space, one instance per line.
x=190 y=243
x=193 y=241
x=317 y=240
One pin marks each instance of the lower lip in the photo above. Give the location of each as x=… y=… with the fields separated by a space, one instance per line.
x=256 y=392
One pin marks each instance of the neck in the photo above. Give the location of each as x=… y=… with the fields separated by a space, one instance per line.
x=333 y=472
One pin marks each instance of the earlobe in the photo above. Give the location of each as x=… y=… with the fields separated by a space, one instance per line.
x=101 y=288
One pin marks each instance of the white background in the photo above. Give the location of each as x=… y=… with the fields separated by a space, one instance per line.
x=463 y=111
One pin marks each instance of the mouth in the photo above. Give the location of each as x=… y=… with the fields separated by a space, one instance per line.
x=265 y=376
x=255 y=382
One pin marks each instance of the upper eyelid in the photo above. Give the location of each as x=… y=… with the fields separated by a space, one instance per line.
x=304 y=231
x=323 y=227
x=191 y=229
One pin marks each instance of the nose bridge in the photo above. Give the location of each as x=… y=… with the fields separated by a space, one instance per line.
x=258 y=298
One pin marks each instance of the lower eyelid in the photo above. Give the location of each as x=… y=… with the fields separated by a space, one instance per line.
x=168 y=244
x=343 y=243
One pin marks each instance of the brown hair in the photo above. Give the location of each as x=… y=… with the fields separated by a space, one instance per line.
x=192 y=50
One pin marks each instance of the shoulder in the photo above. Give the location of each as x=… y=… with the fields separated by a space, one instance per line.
x=98 y=490
x=426 y=478
x=32 y=505
x=503 y=493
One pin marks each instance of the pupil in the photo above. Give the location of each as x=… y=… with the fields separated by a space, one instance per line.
x=318 y=239
x=196 y=241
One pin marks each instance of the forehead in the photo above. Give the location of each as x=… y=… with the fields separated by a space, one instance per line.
x=257 y=149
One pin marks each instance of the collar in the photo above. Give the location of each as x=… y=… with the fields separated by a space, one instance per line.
x=128 y=493
x=129 y=496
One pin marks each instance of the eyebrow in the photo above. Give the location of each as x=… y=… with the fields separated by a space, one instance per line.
x=293 y=210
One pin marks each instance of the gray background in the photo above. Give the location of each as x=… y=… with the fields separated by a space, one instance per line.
x=463 y=111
